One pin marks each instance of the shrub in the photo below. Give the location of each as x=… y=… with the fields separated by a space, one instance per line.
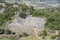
x=22 y=15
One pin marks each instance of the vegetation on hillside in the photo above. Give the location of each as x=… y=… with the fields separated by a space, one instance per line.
x=52 y=15
x=7 y=15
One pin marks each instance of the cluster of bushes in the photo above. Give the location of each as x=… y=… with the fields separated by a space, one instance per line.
x=25 y=10
x=1 y=7
x=22 y=15
x=7 y=15
x=52 y=15
x=1 y=1
x=10 y=12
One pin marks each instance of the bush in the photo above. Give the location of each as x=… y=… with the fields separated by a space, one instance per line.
x=1 y=31
x=23 y=35
x=44 y=33
x=22 y=15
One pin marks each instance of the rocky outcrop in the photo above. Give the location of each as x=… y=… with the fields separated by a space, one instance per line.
x=30 y=25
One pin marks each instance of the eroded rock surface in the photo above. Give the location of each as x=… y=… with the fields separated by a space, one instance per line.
x=30 y=25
